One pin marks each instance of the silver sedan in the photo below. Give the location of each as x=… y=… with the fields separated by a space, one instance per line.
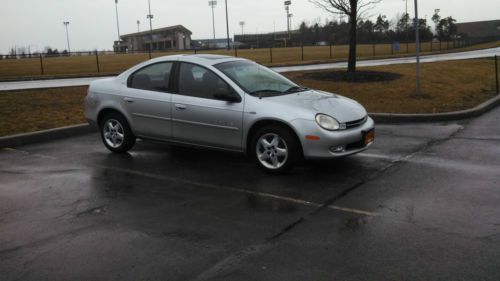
x=226 y=103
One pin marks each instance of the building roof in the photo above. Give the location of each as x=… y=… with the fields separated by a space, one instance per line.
x=217 y=40
x=168 y=28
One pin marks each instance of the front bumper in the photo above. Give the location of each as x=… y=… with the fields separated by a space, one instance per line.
x=323 y=147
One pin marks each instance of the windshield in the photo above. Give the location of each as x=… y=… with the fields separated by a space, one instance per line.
x=258 y=80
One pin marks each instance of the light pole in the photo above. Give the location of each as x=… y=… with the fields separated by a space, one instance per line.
x=213 y=4
x=242 y=24
x=227 y=27
x=288 y=15
x=117 y=23
x=66 y=23
x=417 y=39
x=138 y=26
x=150 y=17
x=406 y=23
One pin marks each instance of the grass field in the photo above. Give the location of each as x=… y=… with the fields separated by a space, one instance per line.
x=35 y=110
x=448 y=86
x=115 y=63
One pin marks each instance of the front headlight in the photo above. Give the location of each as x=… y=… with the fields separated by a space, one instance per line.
x=327 y=122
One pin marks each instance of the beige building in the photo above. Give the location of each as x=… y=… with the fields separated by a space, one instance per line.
x=167 y=38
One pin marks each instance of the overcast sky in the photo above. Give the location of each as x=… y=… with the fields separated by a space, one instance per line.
x=93 y=23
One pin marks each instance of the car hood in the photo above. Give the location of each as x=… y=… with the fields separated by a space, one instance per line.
x=341 y=108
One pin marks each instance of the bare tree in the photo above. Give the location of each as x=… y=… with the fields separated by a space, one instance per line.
x=354 y=9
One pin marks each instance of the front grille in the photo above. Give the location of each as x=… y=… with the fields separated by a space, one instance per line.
x=356 y=123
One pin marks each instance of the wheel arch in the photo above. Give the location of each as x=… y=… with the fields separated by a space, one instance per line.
x=107 y=110
x=265 y=122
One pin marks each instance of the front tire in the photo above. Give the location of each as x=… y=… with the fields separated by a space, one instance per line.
x=116 y=133
x=275 y=148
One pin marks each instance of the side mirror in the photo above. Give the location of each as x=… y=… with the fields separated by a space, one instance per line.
x=227 y=96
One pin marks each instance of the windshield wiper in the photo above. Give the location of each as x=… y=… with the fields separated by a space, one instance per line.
x=296 y=89
x=267 y=91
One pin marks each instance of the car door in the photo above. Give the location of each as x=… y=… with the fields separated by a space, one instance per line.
x=147 y=99
x=205 y=109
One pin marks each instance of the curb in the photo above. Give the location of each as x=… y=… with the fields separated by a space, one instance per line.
x=381 y=118
x=394 y=118
x=45 y=135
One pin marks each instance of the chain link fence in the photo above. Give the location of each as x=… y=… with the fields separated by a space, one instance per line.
x=42 y=65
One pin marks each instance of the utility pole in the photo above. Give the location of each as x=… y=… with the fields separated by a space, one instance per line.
x=417 y=39
x=227 y=28
x=117 y=23
x=150 y=17
x=213 y=4
x=138 y=26
x=66 y=23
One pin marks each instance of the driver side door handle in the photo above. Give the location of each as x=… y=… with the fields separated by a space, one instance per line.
x=180 y=106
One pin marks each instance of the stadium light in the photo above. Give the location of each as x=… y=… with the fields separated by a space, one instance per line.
x=213 y=4
x=150 y=17
x=66 y=23
x=117 y=22
x=242 y=24
x=288 y=16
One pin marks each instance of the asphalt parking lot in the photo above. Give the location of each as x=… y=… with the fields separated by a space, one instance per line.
x=422 y=204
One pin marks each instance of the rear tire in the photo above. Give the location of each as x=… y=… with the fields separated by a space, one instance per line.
x=275 y=148
x=116 y=133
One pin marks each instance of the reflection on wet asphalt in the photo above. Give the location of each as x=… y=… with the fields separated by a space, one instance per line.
x=421 y=204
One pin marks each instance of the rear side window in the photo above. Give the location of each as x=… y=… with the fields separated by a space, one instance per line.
x=155 y=77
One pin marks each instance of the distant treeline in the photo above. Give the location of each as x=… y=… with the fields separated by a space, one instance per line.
x=379 y=31
x=369 y=32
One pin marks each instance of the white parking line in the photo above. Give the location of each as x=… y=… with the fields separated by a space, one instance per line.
x=231 y=189
x=378 y=156
x=8 y=149
x=238 y=190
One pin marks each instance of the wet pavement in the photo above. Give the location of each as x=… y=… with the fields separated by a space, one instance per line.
x=72 y=82
x=422 y=204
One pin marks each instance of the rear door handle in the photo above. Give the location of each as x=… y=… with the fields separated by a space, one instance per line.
x=129 y=100
x=180 y=106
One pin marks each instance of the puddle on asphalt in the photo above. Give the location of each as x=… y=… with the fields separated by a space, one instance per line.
x=265 y=204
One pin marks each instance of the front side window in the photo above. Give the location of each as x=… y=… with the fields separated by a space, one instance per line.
x=256 y=79
x=155 y=77
x=197 y=81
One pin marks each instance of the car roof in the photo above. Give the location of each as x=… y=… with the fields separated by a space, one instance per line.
x=202 y=59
